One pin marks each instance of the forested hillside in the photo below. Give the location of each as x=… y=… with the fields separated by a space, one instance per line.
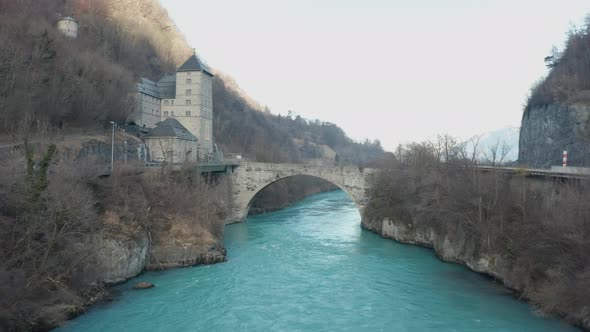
x=244 y=127
x=568 y=80
x=89 y=80
x=557 y=112
x=48 y=80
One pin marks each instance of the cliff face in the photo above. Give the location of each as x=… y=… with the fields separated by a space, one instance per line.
x=452 y=246
x=174 y=255
x=547 y=131
x=119 y=260
x=125 y=254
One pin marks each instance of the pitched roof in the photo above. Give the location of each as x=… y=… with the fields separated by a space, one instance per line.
x=171 y=128
x=68 y=18
x=148 y=87
x=194 y=64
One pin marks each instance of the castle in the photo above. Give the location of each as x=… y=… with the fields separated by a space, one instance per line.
x=176 y=113
x=186 y=97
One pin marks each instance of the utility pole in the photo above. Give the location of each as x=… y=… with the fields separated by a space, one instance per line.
x=113 y=147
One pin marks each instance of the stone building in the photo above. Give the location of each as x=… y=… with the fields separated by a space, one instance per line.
x=68 y=26
x=171 y=142
x=186 y=96
x=149 y=104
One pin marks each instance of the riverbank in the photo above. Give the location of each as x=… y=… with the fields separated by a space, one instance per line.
x=448 y=250
x=525 y=232
x=310 y=267
x=127 y=252
x=67 y=231
x=101 y=294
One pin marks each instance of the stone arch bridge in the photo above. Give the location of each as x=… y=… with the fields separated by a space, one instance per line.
x=250 y=178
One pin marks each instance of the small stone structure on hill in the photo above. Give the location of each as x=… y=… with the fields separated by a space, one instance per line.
x=68 y=26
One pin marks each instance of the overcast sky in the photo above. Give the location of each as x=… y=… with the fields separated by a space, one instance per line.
x=398 y=71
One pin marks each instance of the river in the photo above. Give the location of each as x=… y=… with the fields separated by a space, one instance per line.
x=310 y=267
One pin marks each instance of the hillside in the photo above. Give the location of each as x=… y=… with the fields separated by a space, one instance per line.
x=263 y=136
x=77 y=83
x=557 y=112
x=48 y=81
x=568 y=81
x=62 y=223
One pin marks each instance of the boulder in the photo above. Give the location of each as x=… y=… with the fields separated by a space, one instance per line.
x=143 y=285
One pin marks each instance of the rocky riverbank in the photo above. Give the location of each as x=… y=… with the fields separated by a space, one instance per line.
x=455 y=246
x=68 y=231
x=125 y=253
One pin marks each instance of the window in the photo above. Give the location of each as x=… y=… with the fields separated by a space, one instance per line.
x=188 y=113
x=165 y=102
x=188 y=92
x=188 y=81
x=165 y=113
x=188 y=101
x=172 y=102
x=188 y=74
x=172 y=113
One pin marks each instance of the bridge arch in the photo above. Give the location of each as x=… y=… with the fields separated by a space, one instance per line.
x=251 y=178
x=255 y=194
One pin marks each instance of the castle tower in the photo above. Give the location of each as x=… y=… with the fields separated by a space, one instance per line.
x=68 y=26
x=192 y=105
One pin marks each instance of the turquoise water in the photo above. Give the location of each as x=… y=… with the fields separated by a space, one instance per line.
x=310 y=267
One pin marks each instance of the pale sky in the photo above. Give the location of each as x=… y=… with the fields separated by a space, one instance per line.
x=397 y=71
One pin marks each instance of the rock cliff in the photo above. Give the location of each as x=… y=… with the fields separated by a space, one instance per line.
x=546 y=131
x=183 y=255
x=452 y=246
x=119 y=260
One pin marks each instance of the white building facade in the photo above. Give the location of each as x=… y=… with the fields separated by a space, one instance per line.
x=68 y=26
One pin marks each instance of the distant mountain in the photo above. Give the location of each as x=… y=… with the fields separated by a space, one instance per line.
x=507 y=137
